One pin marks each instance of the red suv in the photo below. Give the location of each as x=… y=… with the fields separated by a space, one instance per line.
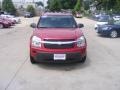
x=57 y=38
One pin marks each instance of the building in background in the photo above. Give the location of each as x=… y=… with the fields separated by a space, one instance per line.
x=21 y=6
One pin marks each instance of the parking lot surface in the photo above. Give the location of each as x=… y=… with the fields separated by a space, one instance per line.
x=101 y=71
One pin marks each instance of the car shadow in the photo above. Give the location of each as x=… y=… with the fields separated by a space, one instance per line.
x=65 y=66
x=8 y=28
x=104 y=36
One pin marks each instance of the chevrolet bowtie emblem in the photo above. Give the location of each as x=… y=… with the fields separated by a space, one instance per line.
x=59 y=43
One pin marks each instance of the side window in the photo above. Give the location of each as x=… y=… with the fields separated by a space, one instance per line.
x=117 y=22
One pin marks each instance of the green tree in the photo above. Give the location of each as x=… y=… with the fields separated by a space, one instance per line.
x=40 y=3
x=86 y=5
x=31 y=9
x=8 y=6
x=108 y=5
x=54 y=5
x=117 y=7
x=65 y=4
x=78 y=6
x=68 y=4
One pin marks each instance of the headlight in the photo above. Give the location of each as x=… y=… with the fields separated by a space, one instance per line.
x=36 y=41
x=96 y=25
x=106 y=28
x=81 y=41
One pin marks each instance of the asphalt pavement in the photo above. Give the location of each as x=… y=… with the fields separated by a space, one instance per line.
x=101 y=71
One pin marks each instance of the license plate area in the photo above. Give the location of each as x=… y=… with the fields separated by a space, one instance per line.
x=59 y=57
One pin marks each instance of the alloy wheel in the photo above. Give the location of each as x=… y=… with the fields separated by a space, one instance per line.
x=113 y=34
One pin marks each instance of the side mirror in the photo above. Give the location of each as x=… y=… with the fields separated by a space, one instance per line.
x=33 y=25
x=80 y=25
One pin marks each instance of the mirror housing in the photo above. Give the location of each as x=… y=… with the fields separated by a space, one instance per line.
x=33 y=25
x=80 y=25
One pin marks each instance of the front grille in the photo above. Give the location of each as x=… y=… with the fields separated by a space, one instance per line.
x=54 y=40
x=59 y=46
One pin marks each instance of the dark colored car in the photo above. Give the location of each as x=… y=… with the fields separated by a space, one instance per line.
x=2 y=12
x=57 y=38
x=28 y=15
x=103 y=19
x=112 y=29
x=98 y=15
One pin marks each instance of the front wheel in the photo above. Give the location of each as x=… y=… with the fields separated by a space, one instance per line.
x=1 y=26
x=83 y=59
x=113 y=34
x=32 y=60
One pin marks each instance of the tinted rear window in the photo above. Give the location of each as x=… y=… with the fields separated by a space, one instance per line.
x=104 y=18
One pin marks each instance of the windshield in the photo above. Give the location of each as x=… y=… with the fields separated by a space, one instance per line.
x=117 y=22
x=57 y=22
x=104 y=19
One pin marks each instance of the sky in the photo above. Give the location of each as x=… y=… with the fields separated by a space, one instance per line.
x=45 y=1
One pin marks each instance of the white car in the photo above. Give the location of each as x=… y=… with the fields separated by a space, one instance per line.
x=13 y=18
x=78 y=15
x=116 y=18
x=102 y=21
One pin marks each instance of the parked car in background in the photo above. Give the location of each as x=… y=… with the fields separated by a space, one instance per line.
x=104 y=19
x=112 y=29
x=4 y=24
x=97 y=16
x=8 y=20
x=11 y=17
x=28 y=15
x=78 y=15
x=57 y=38
x=116 y=17
x=3 y=12
x=65 y=11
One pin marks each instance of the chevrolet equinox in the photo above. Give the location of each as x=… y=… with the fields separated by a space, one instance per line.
x=57 y=38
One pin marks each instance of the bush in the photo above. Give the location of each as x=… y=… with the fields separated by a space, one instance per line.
x=73 y=12
x=31 y=9
x=8 y=6
x=78 y=6
x=55 y=5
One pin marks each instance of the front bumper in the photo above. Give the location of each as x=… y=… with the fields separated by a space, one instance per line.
x=7 y=25
x=48 y=56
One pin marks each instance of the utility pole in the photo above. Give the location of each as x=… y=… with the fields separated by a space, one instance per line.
x=33 y=1
x=23 y=1
x=1 y=5
x=44 y=4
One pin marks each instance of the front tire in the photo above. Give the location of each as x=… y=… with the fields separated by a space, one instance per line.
x=113 y=34
x=1 y=26
x=83 y=59
x=32 y=60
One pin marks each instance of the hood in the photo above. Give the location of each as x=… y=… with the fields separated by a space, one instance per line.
x=110 y=25
x=58 y=33
x=102 y=23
